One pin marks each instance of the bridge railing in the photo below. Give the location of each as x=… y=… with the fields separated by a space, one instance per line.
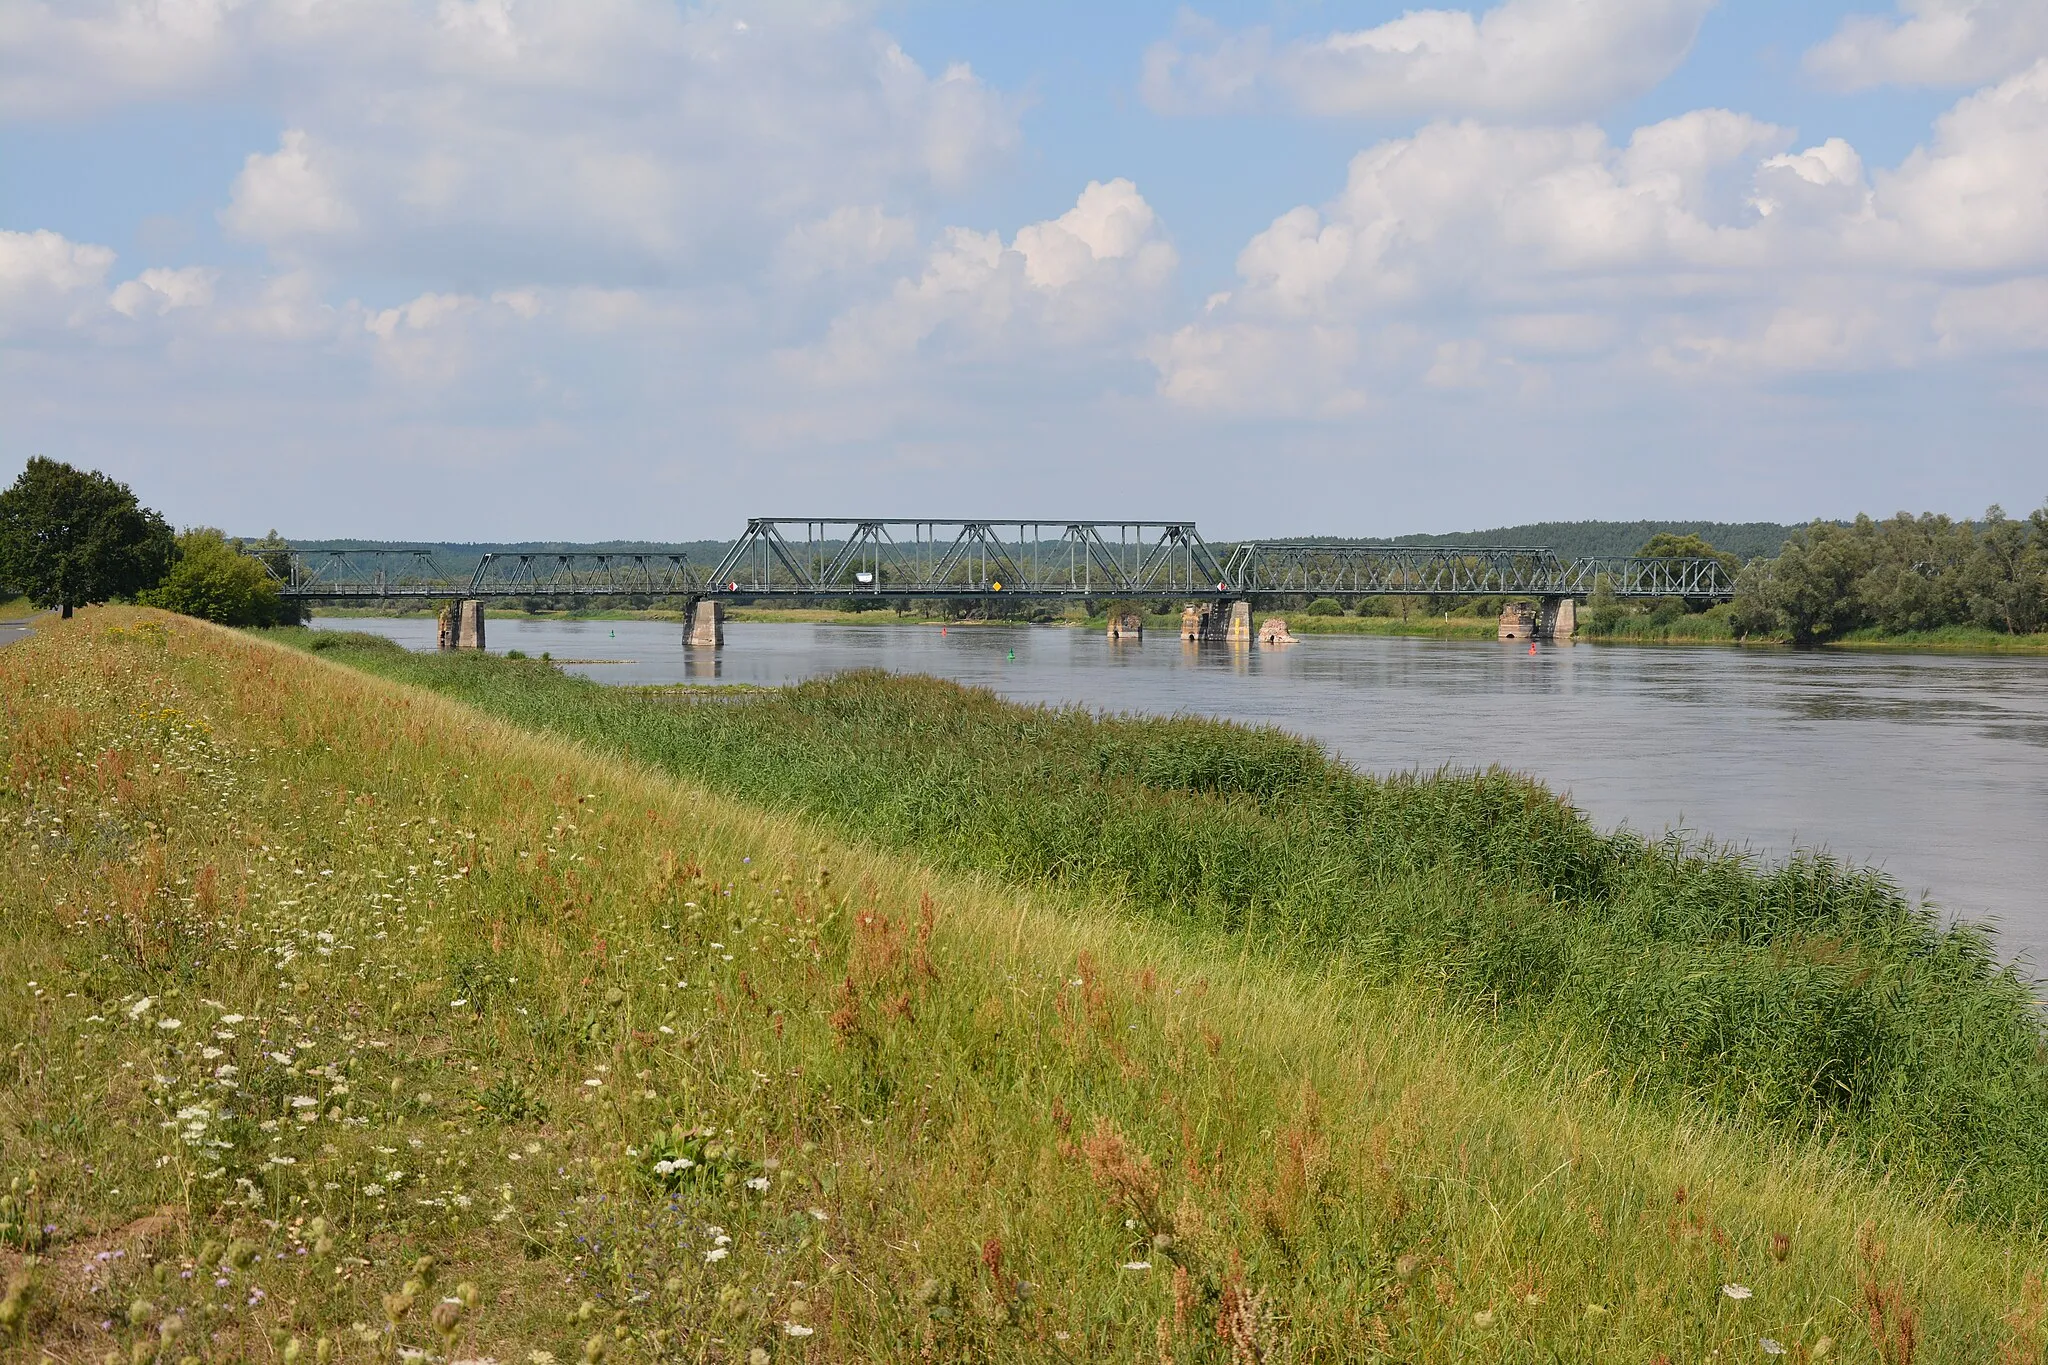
x=372 y=575
x=810 y=557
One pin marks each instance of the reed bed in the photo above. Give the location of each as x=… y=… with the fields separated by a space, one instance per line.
x=1803 y=996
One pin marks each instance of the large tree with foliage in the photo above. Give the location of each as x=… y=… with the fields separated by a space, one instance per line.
x=214 y=580
x=70 y=536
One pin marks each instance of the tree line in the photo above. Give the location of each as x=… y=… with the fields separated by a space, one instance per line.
x=70 y=537
x=1900 y=575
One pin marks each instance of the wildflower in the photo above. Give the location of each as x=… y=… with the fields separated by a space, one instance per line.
x=1771 y=1348
x=1483 y=1318
x=231 y=1018
x=716 y=1254
x=796 y=1329
x=141 y=1007
x=169 y=1025
x=304 y=1102
x=593 y=1082
x=540 y=1358
x=1738 y=1292
x=759 y=1184
x=818 y=1214
x=1137 y=1265
x=209 y=1053
x=373 y=1190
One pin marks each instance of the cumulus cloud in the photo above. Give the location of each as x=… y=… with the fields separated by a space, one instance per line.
x=1099 y=269
x=1524 y=58
x=46 y=279
x=579 y=141
x=1467 y=253
x=156 y=292
x=1933 y=42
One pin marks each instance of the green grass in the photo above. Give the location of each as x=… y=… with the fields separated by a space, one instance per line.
x=1798 y=997
x=15 y=609
x=1429 y=627
x=514 y=981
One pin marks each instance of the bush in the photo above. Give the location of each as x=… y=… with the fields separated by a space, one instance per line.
x=1326 y=606
x=214 y=581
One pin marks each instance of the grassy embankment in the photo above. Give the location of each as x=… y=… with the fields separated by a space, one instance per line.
x=1712 y=628
x=16 y=609
x=1801 y=997
x=310 y=976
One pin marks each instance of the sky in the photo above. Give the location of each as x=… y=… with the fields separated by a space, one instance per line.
x=605 y=269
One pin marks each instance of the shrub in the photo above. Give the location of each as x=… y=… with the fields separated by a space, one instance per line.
x=215 y=581
x=1326 y=606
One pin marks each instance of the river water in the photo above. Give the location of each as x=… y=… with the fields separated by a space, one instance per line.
x=1933 y=767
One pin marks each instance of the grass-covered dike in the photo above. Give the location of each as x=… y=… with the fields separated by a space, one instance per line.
x=1807 y=996
x=349 y=1022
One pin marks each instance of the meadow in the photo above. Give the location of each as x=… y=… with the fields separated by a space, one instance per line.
x=1800 y=997
x=349 y=1022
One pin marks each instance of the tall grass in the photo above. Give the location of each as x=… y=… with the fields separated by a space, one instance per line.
x=344 y=1023
x=1805 y=995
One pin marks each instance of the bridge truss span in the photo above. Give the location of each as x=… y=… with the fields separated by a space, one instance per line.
x=813 y=557
x=375 y=575
x=1256 y=568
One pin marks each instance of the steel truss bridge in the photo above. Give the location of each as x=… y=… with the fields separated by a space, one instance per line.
x=797 y=557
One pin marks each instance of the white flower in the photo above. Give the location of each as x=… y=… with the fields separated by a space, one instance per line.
x=758 y=1184
x=209 y=1053
x=593 y=1082
x=716 y=1254
x=540 y=1358
x=373 y=1190
x=818 y=1214
x=1736 y=1291
x=231 y=1018
x=1137 y=1265
x=169 y=1024
x=141 y=1007
x=681 y=1163
x=1771 y=1348
x=284 y=1161
x=304 y=1102
x=796 y=1329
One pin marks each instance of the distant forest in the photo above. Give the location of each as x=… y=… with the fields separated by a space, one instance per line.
x=1583 y=539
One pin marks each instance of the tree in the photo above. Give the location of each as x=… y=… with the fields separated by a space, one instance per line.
x=69 y=537
x=1665 y=545
x=215 y=581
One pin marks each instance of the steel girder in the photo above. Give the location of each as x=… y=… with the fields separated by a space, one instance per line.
x=813 y=557
x=342 y=575
x=1461 y=571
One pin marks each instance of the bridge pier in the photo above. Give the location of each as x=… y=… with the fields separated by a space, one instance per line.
x=1126 y=625
x=461 y=625
x=707 y=623
x=1518 y=621
x=1230 y=622
x=1560 y=619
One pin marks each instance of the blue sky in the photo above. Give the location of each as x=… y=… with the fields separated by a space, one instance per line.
x=507 y=269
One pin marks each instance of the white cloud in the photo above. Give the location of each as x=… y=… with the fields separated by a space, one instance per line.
x=1541 y=58
x=1933 y=42
x=849 y=240
x=46 y=279
x=284 y=197
x=158 y=291
x=1703 y=246
x=1098 y=270
x=576 y=141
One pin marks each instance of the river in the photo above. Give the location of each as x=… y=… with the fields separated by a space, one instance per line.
x=1933 y=767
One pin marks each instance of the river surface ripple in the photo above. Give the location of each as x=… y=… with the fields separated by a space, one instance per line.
x=1933 y=767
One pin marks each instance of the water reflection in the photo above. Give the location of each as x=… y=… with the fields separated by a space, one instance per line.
x=1931 y=766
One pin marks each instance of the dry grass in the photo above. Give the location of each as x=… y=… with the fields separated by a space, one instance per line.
x=325 y=977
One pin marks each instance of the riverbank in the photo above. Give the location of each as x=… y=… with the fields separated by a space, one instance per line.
x=629 y=1059
x=1715 y=631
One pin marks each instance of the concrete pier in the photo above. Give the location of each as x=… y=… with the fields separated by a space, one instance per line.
x=707 y=624
x=1126 y=625
x=1518 y=621
x=1273 y=631
x=1560 y=619
x=1239 y=630
x=461 y=625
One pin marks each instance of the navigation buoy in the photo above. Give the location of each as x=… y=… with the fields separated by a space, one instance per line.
x=1532 y=646
x=1013 y=654
x=942 y=630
